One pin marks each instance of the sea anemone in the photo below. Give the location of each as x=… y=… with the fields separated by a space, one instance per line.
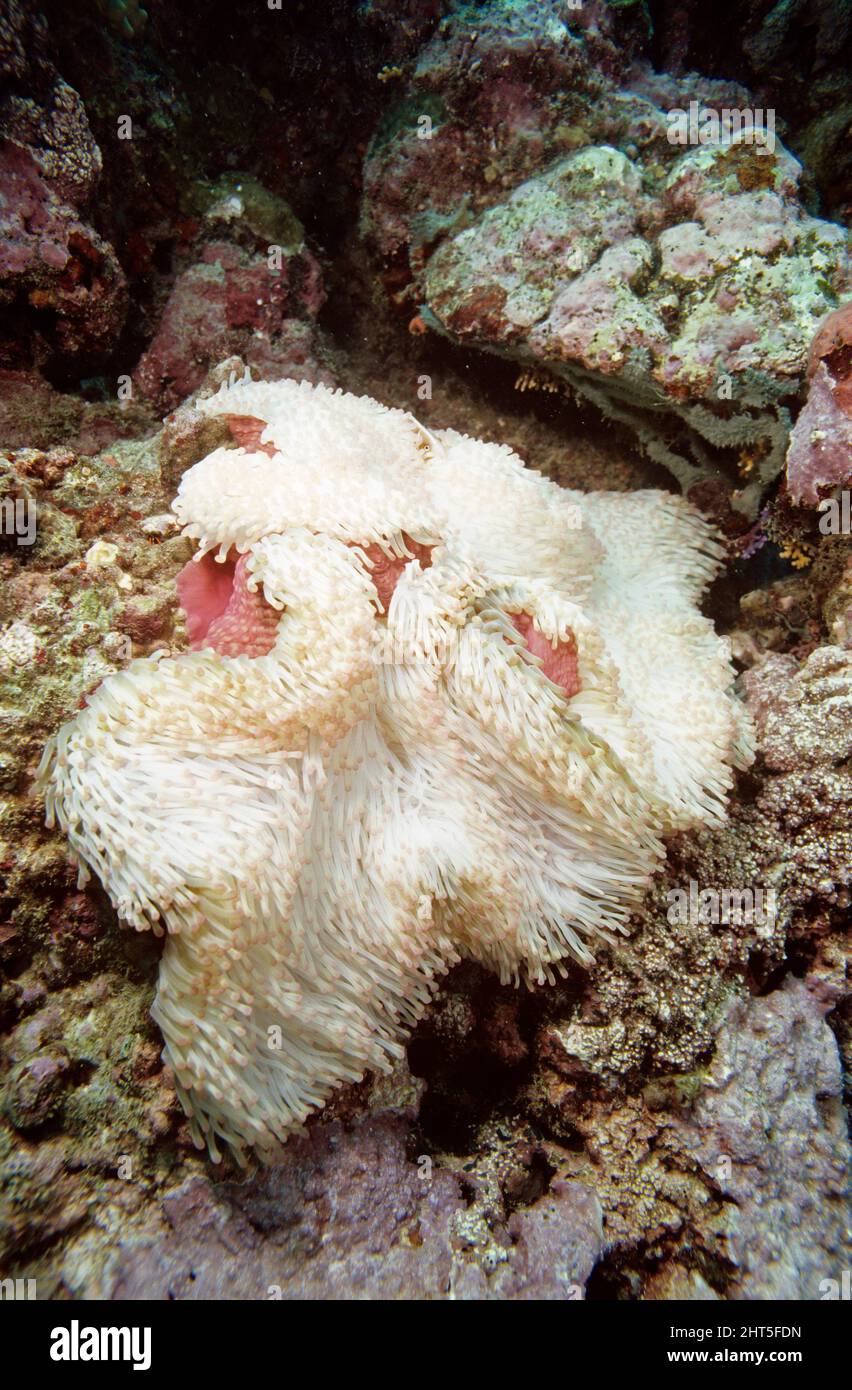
x=437 y=707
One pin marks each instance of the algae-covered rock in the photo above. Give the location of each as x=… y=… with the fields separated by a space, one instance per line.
x=675 y=285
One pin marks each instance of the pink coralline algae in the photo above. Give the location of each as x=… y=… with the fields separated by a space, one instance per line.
x=229 y=301
x=51 y=258
x=820 y=453
x=491 y=97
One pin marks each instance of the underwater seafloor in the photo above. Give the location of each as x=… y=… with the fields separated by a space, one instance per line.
x=479 y=218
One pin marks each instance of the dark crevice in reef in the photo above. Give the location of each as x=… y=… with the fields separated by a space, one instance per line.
x=748 y=787
x=474 y=1050
x=460 y=1098
x=623 y=1275
x=803 y=945
x=292 y=95
x=535 y=1184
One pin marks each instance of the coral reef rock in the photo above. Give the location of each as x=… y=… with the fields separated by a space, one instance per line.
x=677 y=286
x=769 y=1131
x=251 y=288
x=820 y=451
x=51 y=258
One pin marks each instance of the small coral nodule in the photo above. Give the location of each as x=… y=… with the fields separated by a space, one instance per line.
x=436 y=707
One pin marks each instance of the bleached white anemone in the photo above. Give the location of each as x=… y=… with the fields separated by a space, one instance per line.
x=438 y=707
